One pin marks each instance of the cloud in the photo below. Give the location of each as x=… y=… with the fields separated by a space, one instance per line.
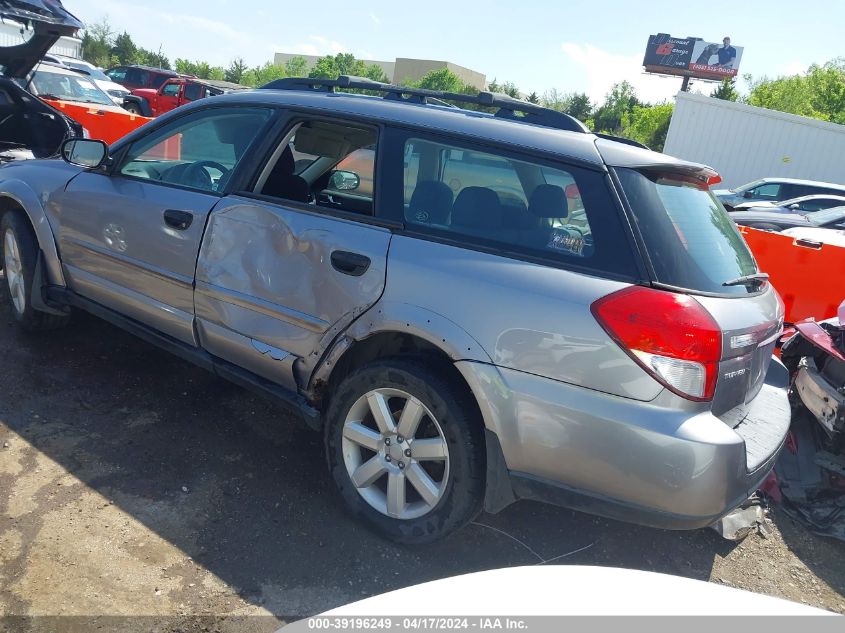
x=376 y=19
x=319 y=46
x=602 y=69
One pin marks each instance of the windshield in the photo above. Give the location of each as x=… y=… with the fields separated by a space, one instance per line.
x=826 y=216
x=94 y=73
x=746 y=186
x=68 y=88
x=691 y=241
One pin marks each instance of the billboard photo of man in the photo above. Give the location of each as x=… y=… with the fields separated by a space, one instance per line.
x=727 y=54
x=712 y=61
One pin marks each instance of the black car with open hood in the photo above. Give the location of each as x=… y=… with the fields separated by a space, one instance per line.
x=30 y=128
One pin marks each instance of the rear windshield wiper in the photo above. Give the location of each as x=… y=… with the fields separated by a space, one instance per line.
x=757 y=279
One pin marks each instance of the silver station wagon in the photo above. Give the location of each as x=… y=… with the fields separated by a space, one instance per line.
x=473 y=306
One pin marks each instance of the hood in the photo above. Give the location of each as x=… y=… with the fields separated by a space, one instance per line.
x=49 y=21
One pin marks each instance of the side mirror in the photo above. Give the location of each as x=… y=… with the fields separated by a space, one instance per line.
x=344 y=180
x=795 y=206
x=746 y=194
x=85 y=152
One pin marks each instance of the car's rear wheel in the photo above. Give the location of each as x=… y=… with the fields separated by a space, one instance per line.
x=19 y=256
x=406 y=450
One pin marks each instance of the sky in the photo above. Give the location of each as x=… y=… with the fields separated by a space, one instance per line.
x=570 y=45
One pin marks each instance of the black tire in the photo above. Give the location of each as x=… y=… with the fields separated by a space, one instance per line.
x=29 y=318
x=133 y=108
x=456 y=414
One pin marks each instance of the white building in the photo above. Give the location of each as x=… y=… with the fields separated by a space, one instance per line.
x=12 y=34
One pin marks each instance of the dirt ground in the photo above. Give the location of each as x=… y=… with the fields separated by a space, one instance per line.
x=132 y=483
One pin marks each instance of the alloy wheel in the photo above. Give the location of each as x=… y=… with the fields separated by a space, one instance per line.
x=14 y=271
x=395 y=453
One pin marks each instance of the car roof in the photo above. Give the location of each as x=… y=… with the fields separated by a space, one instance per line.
x=582 y=147
x=801 y=181
x=61 y=69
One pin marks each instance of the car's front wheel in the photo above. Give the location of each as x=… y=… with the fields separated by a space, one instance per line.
x=19 y=256
x=405 y=448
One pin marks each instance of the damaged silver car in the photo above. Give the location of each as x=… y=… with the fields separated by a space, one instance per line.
x=472 y=307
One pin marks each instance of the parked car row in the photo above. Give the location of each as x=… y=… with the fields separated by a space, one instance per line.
x=815 y=217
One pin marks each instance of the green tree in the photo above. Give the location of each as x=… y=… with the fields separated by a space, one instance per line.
x=236 y=70
x=296 y=67
x=580 y=106
x=726 y=90
x=786 y=94
x=533 y=98
x=97 y=44
x=826 y=85
x=153 y=58
x=648 y=124
x=555 y=100
x=125 y=50
x=442 y=79
x=261 y=75
x=621 y=100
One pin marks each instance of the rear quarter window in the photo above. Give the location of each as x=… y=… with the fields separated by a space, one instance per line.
x=514 y=206
x=690 y=240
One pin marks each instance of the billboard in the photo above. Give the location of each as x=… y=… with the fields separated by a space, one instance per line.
x=692 y=56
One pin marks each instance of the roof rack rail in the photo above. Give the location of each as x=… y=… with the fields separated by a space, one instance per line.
x=508 y=107
x=622 y=139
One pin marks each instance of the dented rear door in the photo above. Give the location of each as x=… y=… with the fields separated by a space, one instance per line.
x=277 y=283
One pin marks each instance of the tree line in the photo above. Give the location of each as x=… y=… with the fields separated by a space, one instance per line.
x=819 y=92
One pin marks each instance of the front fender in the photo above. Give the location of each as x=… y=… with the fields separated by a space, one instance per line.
x=25 y=198
x=142 y=102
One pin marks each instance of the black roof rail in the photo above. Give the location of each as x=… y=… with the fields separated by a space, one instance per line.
x=508 y=107
x=622 y=139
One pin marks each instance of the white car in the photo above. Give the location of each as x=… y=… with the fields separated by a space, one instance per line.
x=835 y=237
x=115 y=91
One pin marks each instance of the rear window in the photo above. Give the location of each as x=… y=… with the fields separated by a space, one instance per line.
x=691 y=241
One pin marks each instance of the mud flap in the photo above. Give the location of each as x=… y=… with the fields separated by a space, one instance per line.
x=498 y=493
x=39 y=300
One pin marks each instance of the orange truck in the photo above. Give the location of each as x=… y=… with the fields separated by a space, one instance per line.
x=77 y=96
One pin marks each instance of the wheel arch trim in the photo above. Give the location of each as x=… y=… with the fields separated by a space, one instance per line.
x=25 y=198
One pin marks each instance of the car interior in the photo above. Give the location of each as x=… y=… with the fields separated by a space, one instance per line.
x=494 y=198
x=303 y=166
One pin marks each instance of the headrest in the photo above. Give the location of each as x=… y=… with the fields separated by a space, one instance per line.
x=430 y=203
x=548 y=201
x=477 y=207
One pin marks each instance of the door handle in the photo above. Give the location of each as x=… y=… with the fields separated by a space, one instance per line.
x=350 y=263
x=179 y=220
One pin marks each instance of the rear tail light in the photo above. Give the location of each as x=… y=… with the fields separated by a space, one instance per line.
x=668 y=334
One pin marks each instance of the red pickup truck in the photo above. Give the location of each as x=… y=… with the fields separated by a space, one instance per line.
x=173 y=93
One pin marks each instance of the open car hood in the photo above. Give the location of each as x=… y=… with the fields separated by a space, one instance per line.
x=49 y=21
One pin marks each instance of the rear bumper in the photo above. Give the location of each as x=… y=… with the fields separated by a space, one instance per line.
x=654 y=463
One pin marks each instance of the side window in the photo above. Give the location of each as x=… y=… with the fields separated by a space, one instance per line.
x=118 y=75
x=199 y=151
x=327 y=164
x=137 y=77
x=768 y=191
x=194 y=92
x=561 y=212
x=170 y=90
x=157 y=79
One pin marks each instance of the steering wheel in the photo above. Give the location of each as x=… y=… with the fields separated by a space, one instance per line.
x=196 y=174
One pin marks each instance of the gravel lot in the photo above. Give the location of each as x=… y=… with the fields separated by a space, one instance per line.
x=132 y=483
